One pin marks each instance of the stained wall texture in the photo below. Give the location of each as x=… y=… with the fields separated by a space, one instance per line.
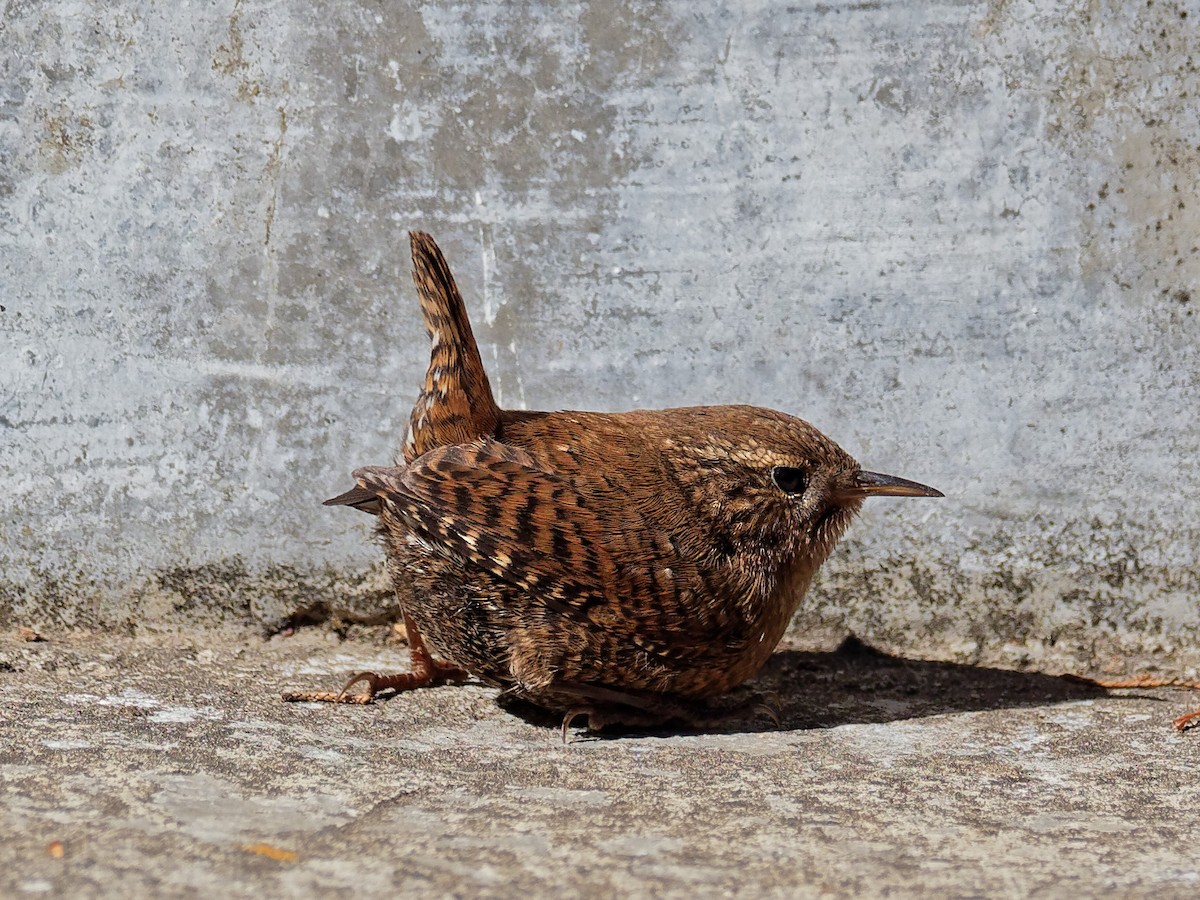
x=961 y=238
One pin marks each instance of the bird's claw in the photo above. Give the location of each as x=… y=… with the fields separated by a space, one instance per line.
x=593 y=724
x=324 y=697
x=376 y=684
x=371 y=678
x=1186 y=721
x=768 y=708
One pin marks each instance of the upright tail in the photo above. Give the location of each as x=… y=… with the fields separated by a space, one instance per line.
x=456 y=405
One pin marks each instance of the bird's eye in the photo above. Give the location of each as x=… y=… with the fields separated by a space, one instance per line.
x=789 y=480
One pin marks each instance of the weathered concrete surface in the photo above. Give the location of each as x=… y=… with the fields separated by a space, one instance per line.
x=167 y=767
x=959 y=237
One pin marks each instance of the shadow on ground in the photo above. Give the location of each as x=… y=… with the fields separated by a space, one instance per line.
x=857 y=684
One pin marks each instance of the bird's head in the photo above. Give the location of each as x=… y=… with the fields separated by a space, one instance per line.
x=773 y=484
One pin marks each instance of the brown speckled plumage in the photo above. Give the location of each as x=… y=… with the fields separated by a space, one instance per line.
x=629 y=566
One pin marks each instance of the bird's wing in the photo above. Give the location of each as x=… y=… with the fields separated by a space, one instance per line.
x=577 y=546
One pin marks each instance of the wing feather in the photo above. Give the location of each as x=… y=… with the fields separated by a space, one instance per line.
x=576 y=545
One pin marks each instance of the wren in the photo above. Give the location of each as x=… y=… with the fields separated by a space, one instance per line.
x=629 y=567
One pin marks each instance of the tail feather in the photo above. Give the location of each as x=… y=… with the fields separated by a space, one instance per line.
x=456 y=405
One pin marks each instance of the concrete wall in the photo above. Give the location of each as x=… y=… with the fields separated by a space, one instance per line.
x=961 y=238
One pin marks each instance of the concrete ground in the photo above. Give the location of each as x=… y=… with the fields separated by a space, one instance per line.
x=167 y=766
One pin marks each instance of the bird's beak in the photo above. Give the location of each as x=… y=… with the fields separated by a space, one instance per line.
x=871 y=484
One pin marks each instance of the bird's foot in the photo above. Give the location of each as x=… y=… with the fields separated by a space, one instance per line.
x=605 y=707
x=601 y=716
x=1187 y=720
x=1182 y=723
x=431 y=674
x=426 y=672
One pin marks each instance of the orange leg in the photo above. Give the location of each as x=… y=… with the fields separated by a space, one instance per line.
x=1187 y=720
x=1184 y=722
x=426 y=672
x=1143 y=681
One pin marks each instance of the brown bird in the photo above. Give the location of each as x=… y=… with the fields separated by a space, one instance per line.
x=629 y=567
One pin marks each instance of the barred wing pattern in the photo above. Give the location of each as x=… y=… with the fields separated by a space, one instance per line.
x=575 y=546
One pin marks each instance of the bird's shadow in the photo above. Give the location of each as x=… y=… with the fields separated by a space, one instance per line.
x=857 y=684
